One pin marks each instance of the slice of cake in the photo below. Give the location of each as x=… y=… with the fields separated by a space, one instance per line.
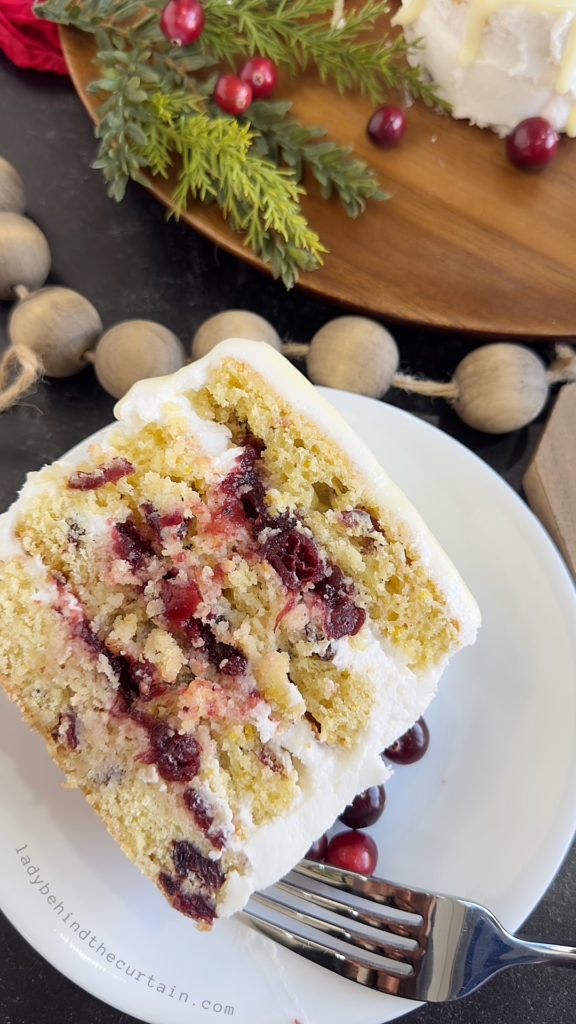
x=219 y=619
x=498 y=63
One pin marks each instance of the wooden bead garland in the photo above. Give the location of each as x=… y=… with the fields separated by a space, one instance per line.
x=58 y=324
x=134 y=350
x=24 y=254
x=12 y=195
x=233 y=323
x=355 y=354
x=497 y=388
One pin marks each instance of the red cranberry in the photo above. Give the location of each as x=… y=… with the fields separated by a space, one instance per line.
x=386 y=126
x=180 y=599
x=260 y=73
x=353 y=851
x=110 y=473
x=189 y=861
x=203 y=817
x=232 y=94
x=411 y=746
x=294 y=556
x=341 y=616
x=532 y=144
x=318 y=849
x=365 y=808
x=182 y=21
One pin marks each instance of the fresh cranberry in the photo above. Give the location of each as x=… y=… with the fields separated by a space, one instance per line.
x=260 y=73
x=318 y=849
x=180 y=599
x=225 y=657
x=294 y=556
x=182 y=21
x=203 y=817
x=195 y=906
x=532 y=143
x=158 y=522
x=192 y=904
x=386 y=126
x=411 y=746
x=365 y=808
x=341 y=616
x=176 y=756
x=107 y=474
x=353 y=851
x=189 y=861
x=232 y=94
x=129 y=544
x=244 y=485
x=145 y=680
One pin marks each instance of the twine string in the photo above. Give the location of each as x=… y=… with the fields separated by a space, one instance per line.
x=420 y=386
x=563 y=366
x=20 y=369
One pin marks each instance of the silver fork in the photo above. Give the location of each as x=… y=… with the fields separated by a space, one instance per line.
x=407 y=942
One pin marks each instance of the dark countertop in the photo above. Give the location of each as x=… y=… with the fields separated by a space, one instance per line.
x=131 y=263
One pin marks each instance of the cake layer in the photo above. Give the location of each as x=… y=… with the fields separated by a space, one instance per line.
x=220 y=619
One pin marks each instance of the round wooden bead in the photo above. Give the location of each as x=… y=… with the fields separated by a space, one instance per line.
x=12 y=195
x=501 y=387
x=59 y=325
x=233 y=323
x=24 y=254
x=355 y=354
x=134 y=350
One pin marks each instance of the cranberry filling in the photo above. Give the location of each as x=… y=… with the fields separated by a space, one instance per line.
x=192 y=904
x=188 y=860
x=293 y=555
x=225 y=657
x=180 y=599
x=266 y=757
x=243 y=485
x=168 y=883
x=66 y=730
x=129 y=544
x=109 y=473
x=341 y=616
x=202 y=817
x=177 y=757
x=159 y=521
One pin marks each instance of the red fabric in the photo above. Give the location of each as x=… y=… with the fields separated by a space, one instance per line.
x=27 y=40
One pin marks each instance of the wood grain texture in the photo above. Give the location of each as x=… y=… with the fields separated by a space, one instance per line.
x=466 y=241
x=550 y=480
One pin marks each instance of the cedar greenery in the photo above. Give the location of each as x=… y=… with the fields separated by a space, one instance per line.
x=157 y=113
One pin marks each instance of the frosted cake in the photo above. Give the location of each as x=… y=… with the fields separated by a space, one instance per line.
x=498 y=63
x=218 y=618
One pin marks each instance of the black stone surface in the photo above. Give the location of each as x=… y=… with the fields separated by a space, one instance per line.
x=131 y=263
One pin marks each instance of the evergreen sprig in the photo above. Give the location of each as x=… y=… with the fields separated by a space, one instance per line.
x=157 y=116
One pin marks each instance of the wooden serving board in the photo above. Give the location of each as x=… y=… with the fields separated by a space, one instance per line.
x=466 y=241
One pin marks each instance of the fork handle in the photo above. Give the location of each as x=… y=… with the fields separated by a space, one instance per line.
x=542 y=952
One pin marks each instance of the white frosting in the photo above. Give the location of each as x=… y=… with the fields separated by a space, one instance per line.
x=498 y=63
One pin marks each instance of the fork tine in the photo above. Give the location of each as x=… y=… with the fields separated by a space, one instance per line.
x=357 y=969
x=405 y=930
x=377 y=890
x=387 y=944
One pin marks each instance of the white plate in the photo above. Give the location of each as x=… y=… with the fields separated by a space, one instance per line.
x=488 y=813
